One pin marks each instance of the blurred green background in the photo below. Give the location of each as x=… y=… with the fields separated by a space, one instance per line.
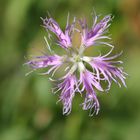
x=28 y=109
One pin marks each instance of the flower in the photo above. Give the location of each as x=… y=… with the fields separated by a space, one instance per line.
x=77 y=76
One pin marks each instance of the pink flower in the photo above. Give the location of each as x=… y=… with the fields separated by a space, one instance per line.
x=77 y=77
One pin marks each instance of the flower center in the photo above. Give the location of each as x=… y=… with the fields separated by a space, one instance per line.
x=77 y=58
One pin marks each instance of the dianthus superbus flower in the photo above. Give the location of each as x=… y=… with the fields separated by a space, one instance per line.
x=77 y=76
